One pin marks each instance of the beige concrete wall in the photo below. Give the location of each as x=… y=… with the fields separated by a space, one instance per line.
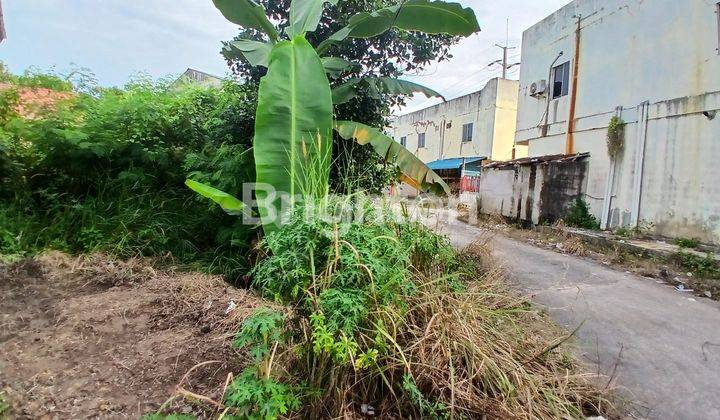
x=492 y=111
x=663 y=53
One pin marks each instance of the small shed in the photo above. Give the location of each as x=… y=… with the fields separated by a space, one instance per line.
x=533 y=190
x=453 y=170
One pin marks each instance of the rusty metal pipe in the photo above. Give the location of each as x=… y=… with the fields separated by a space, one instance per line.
x=570 y=139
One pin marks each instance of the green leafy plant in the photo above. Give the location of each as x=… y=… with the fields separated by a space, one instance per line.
x=433 y=410
x=579 y=216
x=295 y=101
x=686 y=242
x=260 y=332
x=705 y=267
x=4 y=406
x=107 y=173
x=255 y=393
x=260 y=398
x=615 y=136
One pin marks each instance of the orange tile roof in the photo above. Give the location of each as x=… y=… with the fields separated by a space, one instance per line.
x=34 y=100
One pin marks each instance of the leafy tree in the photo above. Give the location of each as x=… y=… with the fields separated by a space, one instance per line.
x=294 y=119
x=390 y=54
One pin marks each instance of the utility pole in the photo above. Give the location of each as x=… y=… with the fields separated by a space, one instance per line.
x=505 y=65
x=505 y=49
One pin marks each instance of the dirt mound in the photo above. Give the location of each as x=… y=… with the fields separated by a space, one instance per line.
x=92 y=337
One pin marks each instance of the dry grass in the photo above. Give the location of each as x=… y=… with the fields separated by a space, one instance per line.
x=472 y=352
x=485 y=351
x=93 y=336
x=482 y=352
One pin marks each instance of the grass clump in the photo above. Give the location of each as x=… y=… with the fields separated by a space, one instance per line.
x=388 y=317
x=686 y=242
x=579 y=216
x=705 y=267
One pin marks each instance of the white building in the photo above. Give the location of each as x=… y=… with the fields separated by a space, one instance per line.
x=655 y=64
x=481 y=124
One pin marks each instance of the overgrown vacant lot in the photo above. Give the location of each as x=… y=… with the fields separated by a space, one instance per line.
x=87 y=336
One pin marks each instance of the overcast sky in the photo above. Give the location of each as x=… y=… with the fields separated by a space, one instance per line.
x=120 y=38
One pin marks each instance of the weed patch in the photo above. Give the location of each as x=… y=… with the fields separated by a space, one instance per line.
x=390 y=319
x=579 y=216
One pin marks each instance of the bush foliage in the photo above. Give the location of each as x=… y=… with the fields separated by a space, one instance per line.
x=389 y=318
x=106 y=172
x=579 y=216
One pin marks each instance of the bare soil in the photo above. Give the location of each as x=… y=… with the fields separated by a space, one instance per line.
x=91 y=337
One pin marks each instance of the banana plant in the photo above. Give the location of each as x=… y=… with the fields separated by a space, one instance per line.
x=294 y=119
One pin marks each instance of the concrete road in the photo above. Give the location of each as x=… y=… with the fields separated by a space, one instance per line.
x=663 y=345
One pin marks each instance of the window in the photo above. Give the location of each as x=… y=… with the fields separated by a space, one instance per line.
x=561 y=80
x=467 y=132
x=403 y=141
x=421 y=140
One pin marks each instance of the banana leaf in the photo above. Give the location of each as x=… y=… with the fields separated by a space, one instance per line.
x=227 y=202
x=305 y=15
x=256 y=53
x=348 y=90
x=293 y=129
x=432 y=17
x=335 y=66
x=414 y=171
x=248 y=14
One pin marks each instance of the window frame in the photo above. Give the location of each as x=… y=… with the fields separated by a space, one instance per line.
x=565 y=82
x=421 y=140
x=403 y=141
x=469 y=137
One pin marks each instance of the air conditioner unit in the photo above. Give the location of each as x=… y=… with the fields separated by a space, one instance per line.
x=538 y=88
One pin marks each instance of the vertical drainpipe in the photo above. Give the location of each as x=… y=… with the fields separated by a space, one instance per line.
x=610 y=182
x=643 y=110
x=570 y=140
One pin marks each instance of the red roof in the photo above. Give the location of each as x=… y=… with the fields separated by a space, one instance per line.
x=33 y=100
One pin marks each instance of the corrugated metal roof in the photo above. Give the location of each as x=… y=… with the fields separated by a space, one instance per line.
x=536 y=160
x=455 y=163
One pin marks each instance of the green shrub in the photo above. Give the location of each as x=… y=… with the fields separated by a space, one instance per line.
x=107 y=173
x=389 y=314
x=579 y=216
x=686 y=242
x=706 y=267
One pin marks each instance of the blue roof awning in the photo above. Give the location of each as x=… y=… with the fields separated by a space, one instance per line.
x=455 y=163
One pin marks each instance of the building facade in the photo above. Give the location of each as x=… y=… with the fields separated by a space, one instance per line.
x=656 y=66
x=479 y=124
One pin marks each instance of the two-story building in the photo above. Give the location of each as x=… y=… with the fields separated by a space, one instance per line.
x=656 y=66
x=477 y=125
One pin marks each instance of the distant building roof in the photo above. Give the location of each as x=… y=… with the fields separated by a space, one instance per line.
x=454 y=163
x=193 y=76
x=32 y=101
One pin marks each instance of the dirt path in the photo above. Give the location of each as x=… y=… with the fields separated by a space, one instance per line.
x=663 y=346
x=90 y=337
